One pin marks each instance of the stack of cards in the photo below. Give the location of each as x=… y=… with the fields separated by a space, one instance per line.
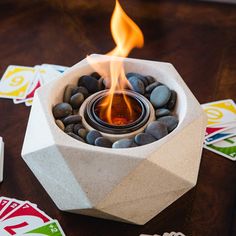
x=221 y=128
x=166 y=234
x=1 y=158
x=20 y=82
x=24 y=218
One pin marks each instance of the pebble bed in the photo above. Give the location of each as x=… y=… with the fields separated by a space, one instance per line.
x=161 y=97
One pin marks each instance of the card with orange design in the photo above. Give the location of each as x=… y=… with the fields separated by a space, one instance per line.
x=16 y=82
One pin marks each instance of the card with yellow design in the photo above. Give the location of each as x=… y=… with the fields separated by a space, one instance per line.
x=16 y=81
x=220 y=111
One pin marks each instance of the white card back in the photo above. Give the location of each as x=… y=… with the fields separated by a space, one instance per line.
x=1 y=159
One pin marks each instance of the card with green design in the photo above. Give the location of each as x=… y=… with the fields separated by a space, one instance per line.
x=51 y=228
x=226 y=148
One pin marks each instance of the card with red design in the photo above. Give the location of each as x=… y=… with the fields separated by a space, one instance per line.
x=10 y=206
x=212 y=130
x=22 y=217
x=3 y=202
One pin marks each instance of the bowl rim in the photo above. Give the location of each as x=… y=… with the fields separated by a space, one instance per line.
x=72 y=75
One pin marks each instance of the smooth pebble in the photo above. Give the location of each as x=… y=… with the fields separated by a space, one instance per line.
x=138 y=76
x=162 y=112
x=73 y=119
x=170 y=121
x=61 y=110
x=160 y=96
x=150 y=79
x=82 y=133
x=76 y=100
x=172 y=101
x=96 y=75
x=89 y=82
x=60 y=124
x=152 y=86
x=92 y=136
x=157 y=129
x=101 y=84
x=77 y=127
x=67 y=93
x=103 y=142
x=80 y=89
x=137 y=85
x=131 y=74
x=69 y=128
x=144 y=138
x=123 y=143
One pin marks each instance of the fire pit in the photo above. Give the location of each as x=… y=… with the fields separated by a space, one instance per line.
x=120 y=179
x=131 y=185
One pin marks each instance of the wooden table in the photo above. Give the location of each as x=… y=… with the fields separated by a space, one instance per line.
x=199 y=38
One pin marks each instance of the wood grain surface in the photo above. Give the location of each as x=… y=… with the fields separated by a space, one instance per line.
x=199 y=38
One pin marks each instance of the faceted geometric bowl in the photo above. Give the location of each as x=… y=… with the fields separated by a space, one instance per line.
x=131 y=185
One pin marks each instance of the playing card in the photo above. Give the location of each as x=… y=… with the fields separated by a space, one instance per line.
x=149 y=235
x=3 y=202
x=1 y=160
x=219 y=136
x=173 y=234
x=58 y=68
x=48 y=74
x=166 y=234
x=34 y=86
x=16 y=81
x=220 y=111
x=226 y=148
x=29 y=102
x=12 y=204
x=218 y=128
x=51 y=228
x=23 y=218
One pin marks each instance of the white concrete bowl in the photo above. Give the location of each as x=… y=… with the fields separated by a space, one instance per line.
x=131 y=185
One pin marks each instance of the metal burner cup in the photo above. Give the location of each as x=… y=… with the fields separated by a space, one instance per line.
x=114 y=131
x=131 y=184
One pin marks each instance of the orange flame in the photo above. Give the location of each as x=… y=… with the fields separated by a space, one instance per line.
x=127 y=35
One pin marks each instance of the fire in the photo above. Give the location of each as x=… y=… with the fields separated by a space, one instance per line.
x=127 y=35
